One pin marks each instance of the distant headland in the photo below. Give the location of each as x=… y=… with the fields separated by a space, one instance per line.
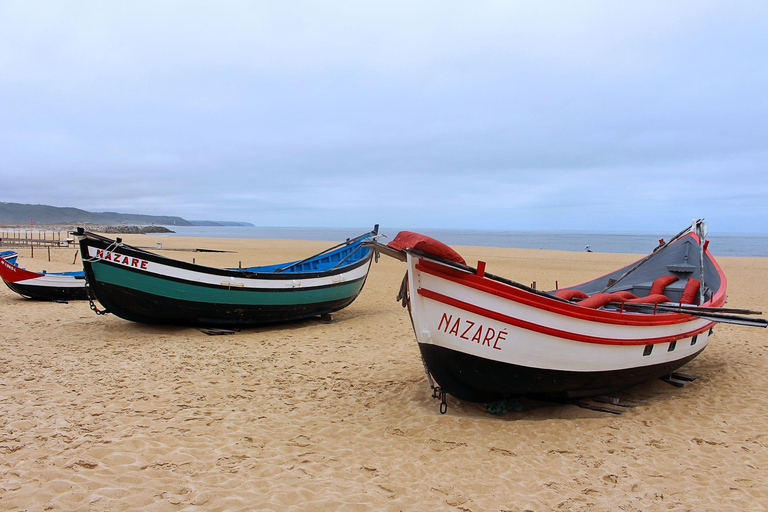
x=28 y=215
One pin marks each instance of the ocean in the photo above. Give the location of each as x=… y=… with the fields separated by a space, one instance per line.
x=721 y=244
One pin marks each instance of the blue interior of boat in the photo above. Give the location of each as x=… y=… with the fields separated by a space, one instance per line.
x=9 y=256
x=343 y=256
x=74 y=274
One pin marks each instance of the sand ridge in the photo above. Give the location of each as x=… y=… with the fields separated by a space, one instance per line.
x=103 y=414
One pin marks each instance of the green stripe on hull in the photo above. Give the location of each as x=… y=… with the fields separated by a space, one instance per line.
x=209 y=294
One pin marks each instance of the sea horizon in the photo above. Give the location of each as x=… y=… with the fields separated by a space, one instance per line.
x=721 y=244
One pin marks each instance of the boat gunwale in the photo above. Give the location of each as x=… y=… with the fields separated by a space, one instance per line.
x=468 y=276
x=92 y=240
x=555 y=305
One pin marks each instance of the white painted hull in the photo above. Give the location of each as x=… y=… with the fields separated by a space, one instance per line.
x=485 y=339
x=50 y=286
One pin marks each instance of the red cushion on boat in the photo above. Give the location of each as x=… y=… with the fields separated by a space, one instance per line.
x=656 y=298
x=410 y=240
x=623 y=295
x=691 y=290
x=597 y=300
x=660 y=283
x=570 y=294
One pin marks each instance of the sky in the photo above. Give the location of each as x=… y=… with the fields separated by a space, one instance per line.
x=567 y=115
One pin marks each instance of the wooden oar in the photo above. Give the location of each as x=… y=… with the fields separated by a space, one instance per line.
x=712 y=309
x=733 y=319
x=715 y=317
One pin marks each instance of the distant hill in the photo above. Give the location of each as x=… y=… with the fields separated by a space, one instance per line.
x=17 y=213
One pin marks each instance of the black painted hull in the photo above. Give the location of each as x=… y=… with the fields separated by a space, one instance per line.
x=475 y=379
x=137 y=306
x=49 y=293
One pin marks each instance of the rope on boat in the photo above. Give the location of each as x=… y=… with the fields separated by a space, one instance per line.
x=110 y=248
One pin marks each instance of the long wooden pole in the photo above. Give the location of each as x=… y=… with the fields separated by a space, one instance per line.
x=708 y=315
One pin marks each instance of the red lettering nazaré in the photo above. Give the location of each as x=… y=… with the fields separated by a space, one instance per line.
x=122 y=259
x=471 y=331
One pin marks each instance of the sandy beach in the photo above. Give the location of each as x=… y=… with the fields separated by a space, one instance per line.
x=98 y=413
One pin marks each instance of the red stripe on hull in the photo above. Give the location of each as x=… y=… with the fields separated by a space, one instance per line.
x=11 y=273
x=555 y=332
x=552 y=305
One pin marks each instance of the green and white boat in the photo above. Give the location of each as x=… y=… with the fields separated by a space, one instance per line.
x=146 y=287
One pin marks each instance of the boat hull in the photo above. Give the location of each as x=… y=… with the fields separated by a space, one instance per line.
x=47 y=287
x=483 y=340
x=477 y=379
x=149 y=288
x=50 y=292
x=252 y=308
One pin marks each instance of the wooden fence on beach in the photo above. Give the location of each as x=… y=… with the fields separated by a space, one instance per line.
x=19 y=239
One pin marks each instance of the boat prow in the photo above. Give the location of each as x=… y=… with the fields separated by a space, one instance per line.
x=9 y=256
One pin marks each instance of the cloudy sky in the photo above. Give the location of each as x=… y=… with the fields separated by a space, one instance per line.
x=582 y=115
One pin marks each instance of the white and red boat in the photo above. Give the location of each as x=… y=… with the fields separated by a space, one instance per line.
x=485 y=338
x=49 y=286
